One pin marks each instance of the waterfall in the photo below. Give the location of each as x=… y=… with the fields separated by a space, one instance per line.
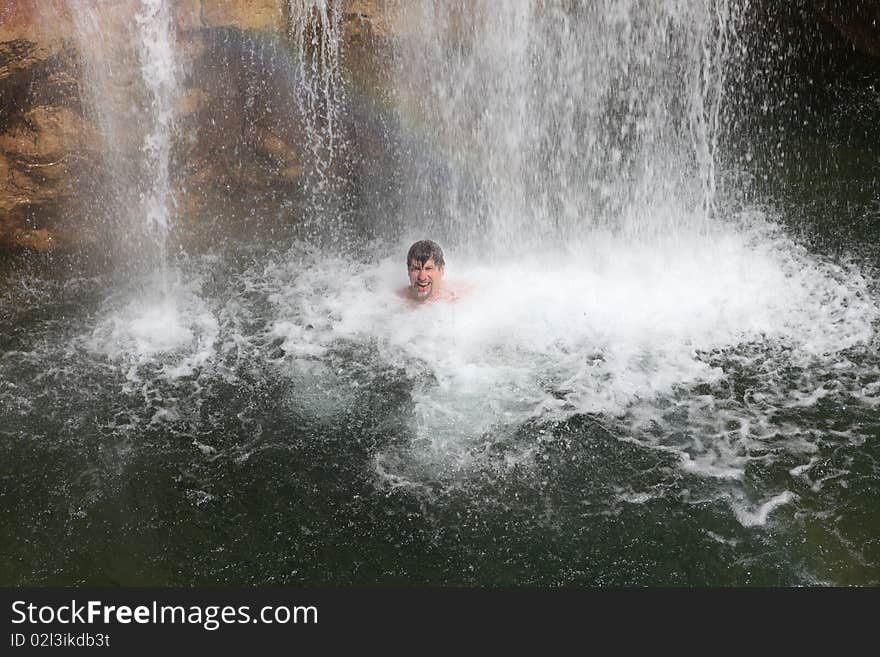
x=159 y=71
x=130 y=81
x=314 y=27
x=530 y=122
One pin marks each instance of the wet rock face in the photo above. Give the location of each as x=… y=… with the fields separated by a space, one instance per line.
x=237 y=130
x=240 y=137
x=857 y=20
x=39 y=123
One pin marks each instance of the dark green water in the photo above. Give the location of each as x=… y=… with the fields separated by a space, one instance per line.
x=115 y=473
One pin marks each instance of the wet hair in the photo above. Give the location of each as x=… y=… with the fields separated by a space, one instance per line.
x=424 y=250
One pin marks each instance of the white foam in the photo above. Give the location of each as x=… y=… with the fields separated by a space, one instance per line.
x=758 y=517
x=721 y=539
x=802 y=469
x=613 y=327
x=172 y=328
x=708 y=465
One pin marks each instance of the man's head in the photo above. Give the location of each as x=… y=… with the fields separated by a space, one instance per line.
x=426 y=266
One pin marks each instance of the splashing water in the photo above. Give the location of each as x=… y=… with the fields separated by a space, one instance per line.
x=656 y=382
x=631 y=337
x=171 y=327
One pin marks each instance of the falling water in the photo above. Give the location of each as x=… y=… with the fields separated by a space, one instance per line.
x=159 y=70
x=316 y=37
x=544 y=119
x=130 y=84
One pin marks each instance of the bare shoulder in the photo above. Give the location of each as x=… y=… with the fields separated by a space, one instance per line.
x=457 y=292
x=448 y=294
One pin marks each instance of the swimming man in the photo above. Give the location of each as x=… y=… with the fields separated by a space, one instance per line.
x=426 y=267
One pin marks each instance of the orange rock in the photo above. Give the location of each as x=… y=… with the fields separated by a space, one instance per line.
x=39 y=240
x=252 y=15
x=188 y=14
x=291 y=173
x=366 y=19
x=190 y=102
x=45 y=23
x=45 y=135
x=272 y=145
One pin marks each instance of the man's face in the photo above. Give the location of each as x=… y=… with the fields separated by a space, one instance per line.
x=424 y=279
